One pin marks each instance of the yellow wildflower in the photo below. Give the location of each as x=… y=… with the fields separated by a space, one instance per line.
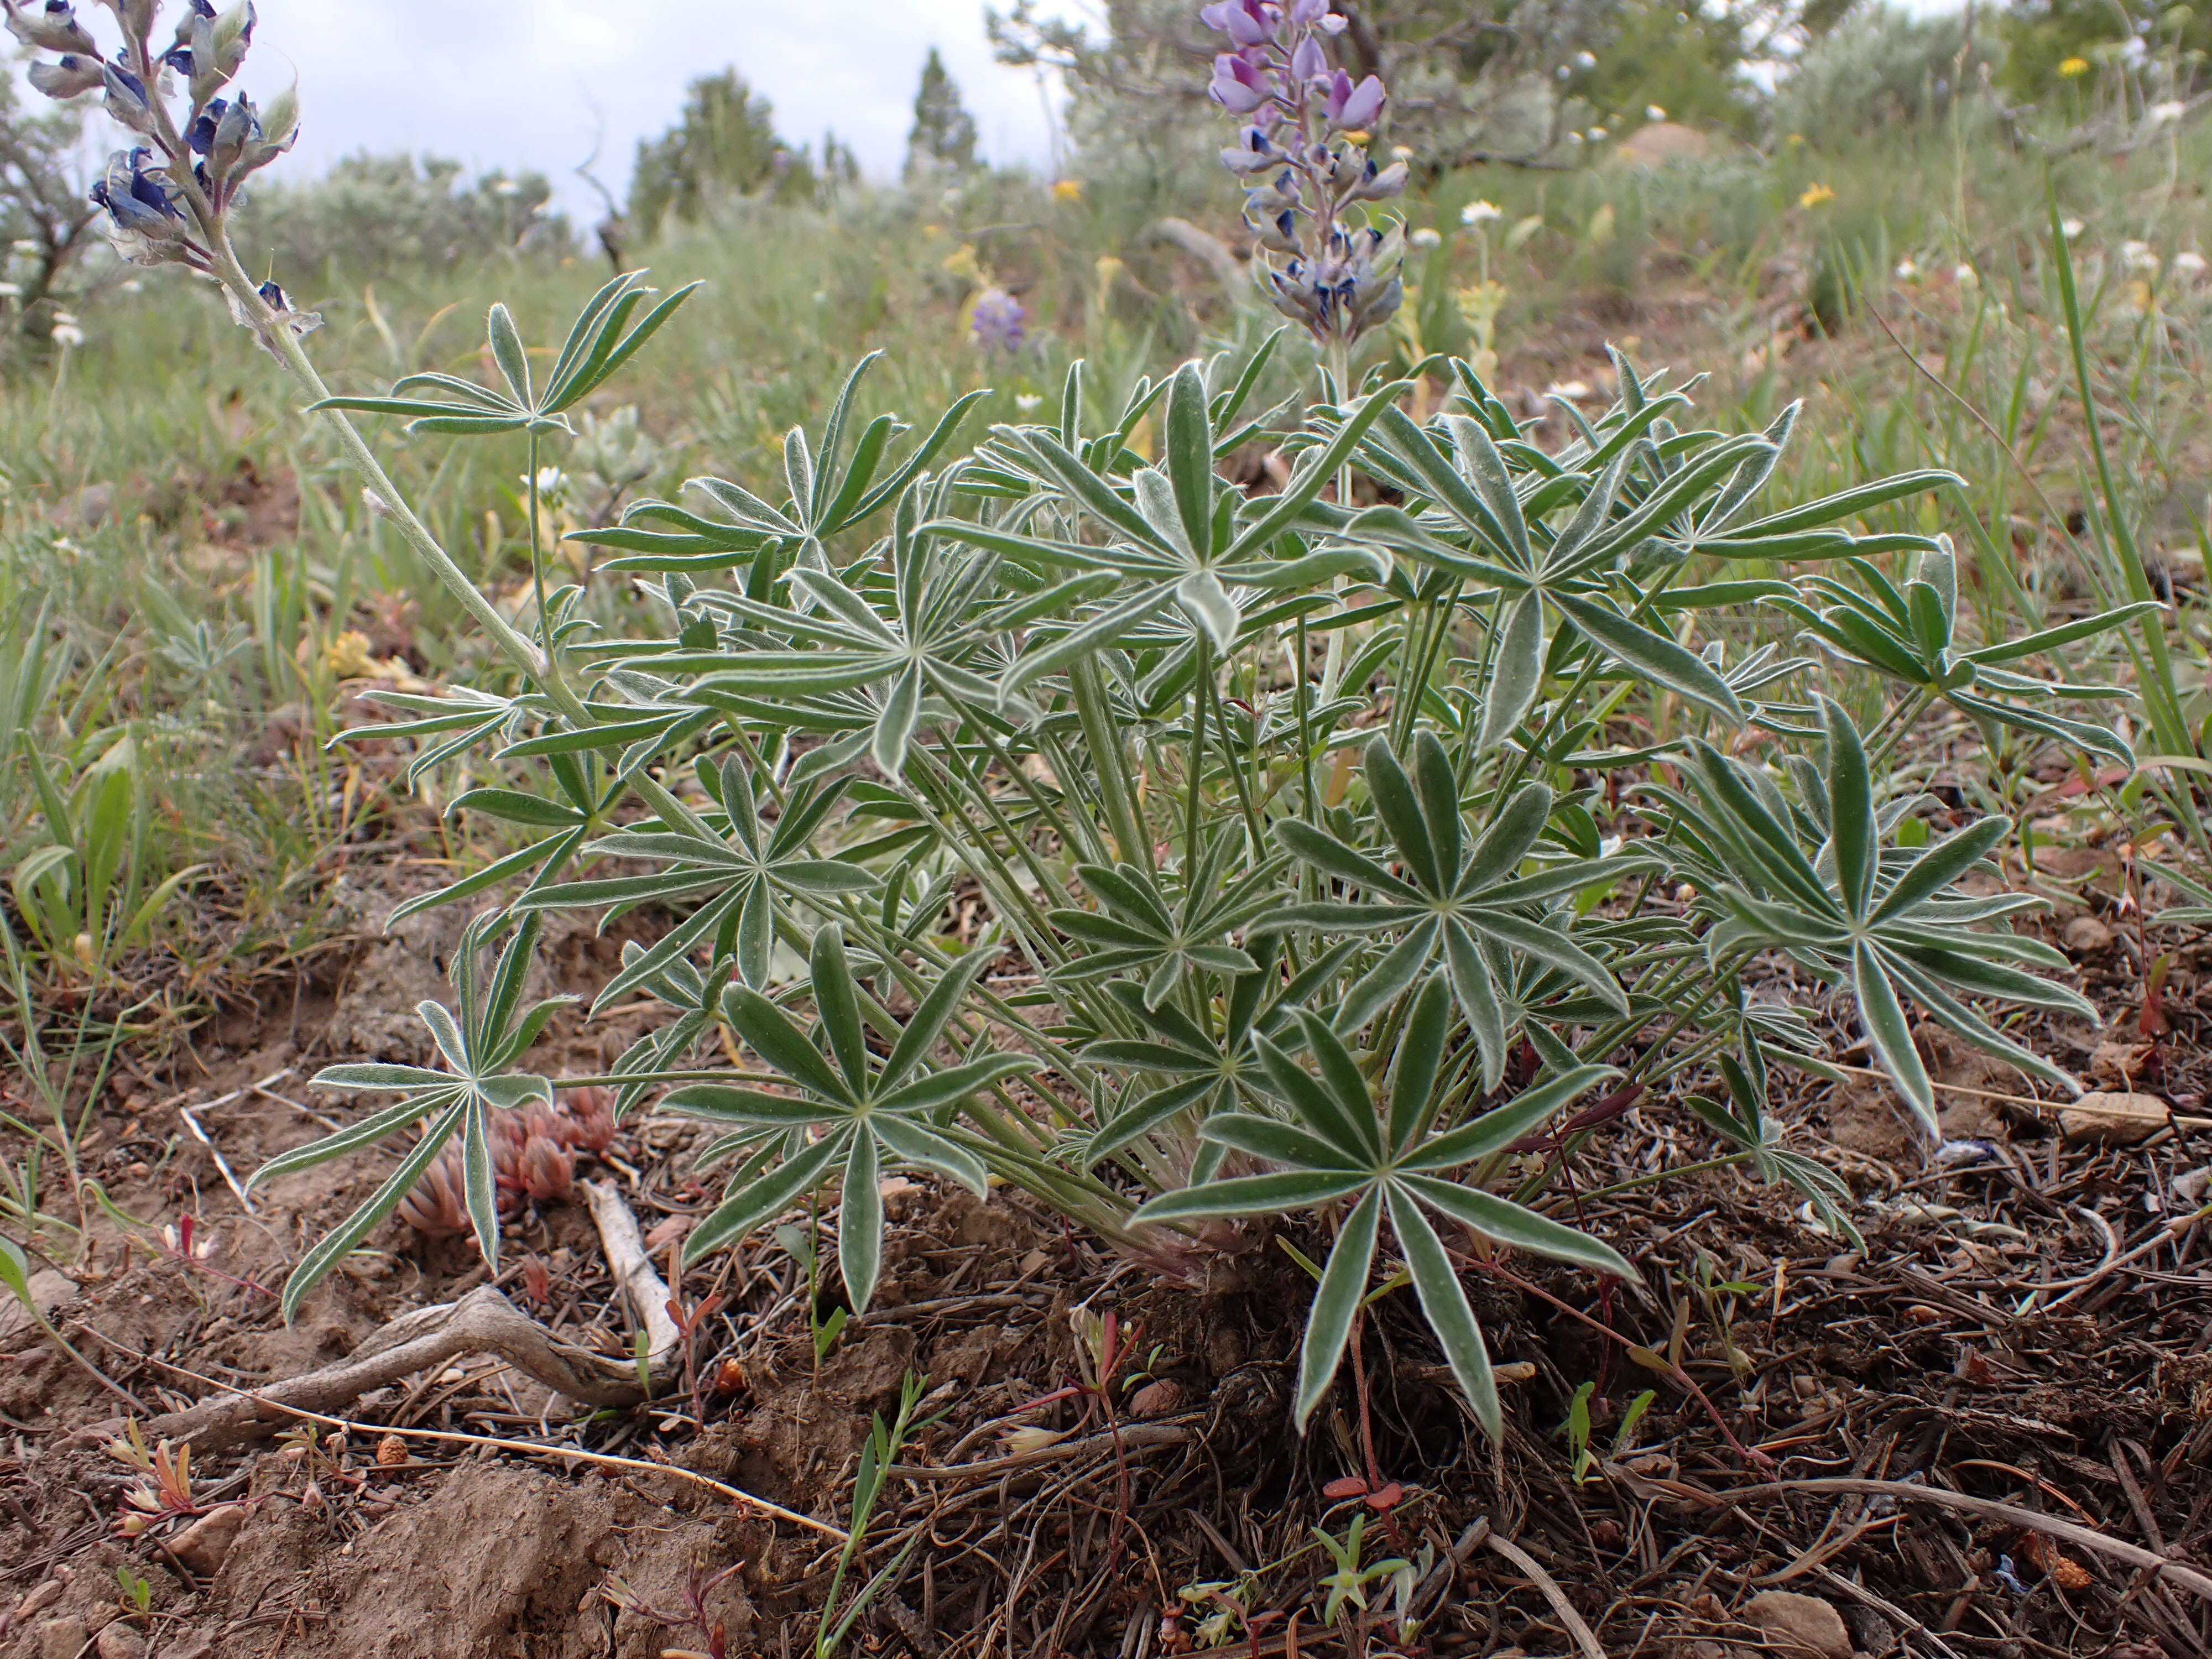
x=2072 y=67
x=1816 y=196
x=1067 y=190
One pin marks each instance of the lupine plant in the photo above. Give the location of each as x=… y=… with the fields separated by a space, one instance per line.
x=1336 y=845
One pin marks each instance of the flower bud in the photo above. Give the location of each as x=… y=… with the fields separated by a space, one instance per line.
x=1268 y=200
x=143 y=221
x=128 y=105
x=68 y=77
x=1352 y=107
x=52 y=26
x=1278 y=235
x=219 y=44
x=280 y=122
x=1244 y=22
x=1239 y=86
x=1308 y=61
x=1253 y=153
x=1379 y=187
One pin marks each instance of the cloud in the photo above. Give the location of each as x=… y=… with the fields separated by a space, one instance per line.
x=528 y=84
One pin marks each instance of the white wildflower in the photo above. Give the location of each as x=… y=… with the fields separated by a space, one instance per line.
x=1655 y=112
x=2189 y=263
x=2069 y=229
x=1423 y=238
x=2139 y=256
x=1026 y=401
x=2162 y=114
x=1475 y=213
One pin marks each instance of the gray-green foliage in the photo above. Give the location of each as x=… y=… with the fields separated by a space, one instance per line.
x=371 y=215
x=1880 y=66
x=1321 y=849
x=943 y=139
x=723 y=145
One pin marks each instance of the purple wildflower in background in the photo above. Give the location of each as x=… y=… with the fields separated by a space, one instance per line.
x=1302 y=156
x=995 y=320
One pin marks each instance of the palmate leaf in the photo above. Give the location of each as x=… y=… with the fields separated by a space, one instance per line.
x=1342 y=1144
x=1877 y=923
x=604 y=338
x=1908 y=634
x=868 y=1114
x=745 y=877
x=480 y=1045
x=1453 y=898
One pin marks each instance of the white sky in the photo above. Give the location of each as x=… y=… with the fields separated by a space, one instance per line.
x=527 y=83
x=524 y=83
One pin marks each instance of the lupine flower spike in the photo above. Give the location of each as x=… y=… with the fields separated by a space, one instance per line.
x=166 y=198
x=1304 y=159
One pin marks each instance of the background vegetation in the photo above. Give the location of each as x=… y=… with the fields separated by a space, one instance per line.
x=190 y=581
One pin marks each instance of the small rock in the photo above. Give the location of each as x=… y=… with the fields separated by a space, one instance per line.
x=2189 y=1188
x=63 y=1639
x=200 y=1548
x=2086 y=936
x=1159 y=1398
x=120 y=1641
x=2119 y=1120
x=1800 y=1626
x=39 y=1598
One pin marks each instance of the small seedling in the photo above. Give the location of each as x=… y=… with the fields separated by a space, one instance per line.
x=138 y=1588
x=1584 y=1461
x=877 y=1454
x=1352 y=1579
x=800 y=1247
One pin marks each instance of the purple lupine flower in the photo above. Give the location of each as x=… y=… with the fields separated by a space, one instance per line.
x=201 y=134
x=1239 y=85
x=52 y=26
x=1352 y=107
x=70 y=76
x=1245 y=21
x=1254 y=152
x=128 y=105
x=1340 y=279
x=995 y=321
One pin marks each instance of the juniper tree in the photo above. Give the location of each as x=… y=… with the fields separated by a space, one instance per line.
x=943 y=141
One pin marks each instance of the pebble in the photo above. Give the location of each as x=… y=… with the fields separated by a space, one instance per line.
x=1800 y=1626
x=201 y=1548
x=2120 y=1119
x=2086 y=936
